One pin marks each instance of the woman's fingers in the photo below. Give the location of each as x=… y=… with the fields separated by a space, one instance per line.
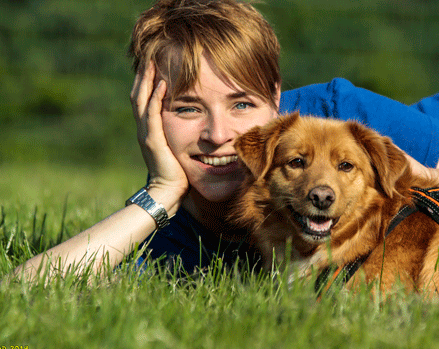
x=156 y=146
x=140 y=98
x=142 y=90
x=154 y=118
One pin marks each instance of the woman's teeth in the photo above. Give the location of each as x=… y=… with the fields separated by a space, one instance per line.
x=217 y=161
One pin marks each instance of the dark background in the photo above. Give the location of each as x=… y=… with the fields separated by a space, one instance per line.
x=65 y=78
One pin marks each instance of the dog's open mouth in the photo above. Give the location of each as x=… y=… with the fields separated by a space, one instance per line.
x=315 y=227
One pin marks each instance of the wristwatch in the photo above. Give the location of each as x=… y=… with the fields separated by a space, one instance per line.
x=155 y=209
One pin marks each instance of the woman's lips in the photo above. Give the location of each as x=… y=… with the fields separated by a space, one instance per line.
x=218 y=165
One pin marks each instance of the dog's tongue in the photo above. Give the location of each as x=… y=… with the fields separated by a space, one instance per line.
x=319 y=226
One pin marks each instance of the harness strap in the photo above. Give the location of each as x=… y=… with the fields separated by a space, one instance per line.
x=403 y=213
x=337 y=276
x=426 y=201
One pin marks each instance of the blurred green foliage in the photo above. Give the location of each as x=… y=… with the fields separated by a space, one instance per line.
x=65 y=78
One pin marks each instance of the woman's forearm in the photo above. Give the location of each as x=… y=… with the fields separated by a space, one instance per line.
x=110 y=239
x=422 y=171
x=107 y=241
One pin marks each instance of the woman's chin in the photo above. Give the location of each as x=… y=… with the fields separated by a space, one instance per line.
x=218 y=192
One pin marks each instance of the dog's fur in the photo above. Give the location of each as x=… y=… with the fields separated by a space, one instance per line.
x=330 y=188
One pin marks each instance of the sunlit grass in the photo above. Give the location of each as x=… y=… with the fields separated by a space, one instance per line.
x=218 y=308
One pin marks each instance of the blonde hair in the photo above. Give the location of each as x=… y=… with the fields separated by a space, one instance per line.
x=239 y=41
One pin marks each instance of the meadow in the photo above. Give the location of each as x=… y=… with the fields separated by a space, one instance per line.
x=69 y=158
x=42 y=204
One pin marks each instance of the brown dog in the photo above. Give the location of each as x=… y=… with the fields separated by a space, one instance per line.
x=320 y=183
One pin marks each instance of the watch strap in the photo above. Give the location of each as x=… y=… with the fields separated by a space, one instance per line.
x=155 y=209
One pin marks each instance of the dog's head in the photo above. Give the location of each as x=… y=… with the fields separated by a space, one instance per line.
x=319 y=171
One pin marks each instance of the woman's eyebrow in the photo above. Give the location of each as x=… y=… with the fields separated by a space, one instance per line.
x=239 y=94
x=188 y=99
x=196 y=99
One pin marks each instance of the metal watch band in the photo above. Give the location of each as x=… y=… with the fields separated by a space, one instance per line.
x=155 y=209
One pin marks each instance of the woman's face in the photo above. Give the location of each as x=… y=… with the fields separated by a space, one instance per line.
x=201 y=126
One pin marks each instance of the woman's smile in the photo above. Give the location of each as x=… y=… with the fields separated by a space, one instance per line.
x=218 y=165
x=217 y=161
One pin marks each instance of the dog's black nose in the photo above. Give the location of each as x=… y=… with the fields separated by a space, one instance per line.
x=322 y=197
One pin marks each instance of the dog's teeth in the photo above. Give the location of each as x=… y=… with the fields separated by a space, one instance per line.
x=319 y=226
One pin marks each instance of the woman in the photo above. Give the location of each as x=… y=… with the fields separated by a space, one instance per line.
x=206 y=72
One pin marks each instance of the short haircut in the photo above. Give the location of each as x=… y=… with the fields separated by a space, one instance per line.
x=233 y=34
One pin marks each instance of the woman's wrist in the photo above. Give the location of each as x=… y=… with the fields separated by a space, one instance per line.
x=170 y=198
x=155 y=210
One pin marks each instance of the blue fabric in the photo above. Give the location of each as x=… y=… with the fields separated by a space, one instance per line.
x=415 y=128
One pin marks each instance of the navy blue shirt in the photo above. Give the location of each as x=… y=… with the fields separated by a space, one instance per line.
x=414 y=129
x=187 y=242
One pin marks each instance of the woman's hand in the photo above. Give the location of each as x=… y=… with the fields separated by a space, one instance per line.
x=164 y=169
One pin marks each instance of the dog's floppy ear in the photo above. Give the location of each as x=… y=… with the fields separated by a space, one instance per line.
x=386 y=158
x=256 y=147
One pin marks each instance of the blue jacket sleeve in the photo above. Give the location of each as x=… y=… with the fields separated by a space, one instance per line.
x=415 y=128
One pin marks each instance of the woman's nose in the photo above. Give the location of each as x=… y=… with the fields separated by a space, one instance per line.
x=217 y=130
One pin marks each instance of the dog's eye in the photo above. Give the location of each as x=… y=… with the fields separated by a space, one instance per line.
x=297 y=163
x=345 y=166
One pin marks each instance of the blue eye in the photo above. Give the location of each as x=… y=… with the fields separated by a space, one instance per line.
x=243 y=105
x=185 y=110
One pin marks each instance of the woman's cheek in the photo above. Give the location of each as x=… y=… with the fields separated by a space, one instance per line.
x=179 y=133
x=171 y=131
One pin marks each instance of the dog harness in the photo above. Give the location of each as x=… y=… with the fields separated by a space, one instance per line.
x=425 y=200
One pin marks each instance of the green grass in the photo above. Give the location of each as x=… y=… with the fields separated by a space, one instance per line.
x=42 y=204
